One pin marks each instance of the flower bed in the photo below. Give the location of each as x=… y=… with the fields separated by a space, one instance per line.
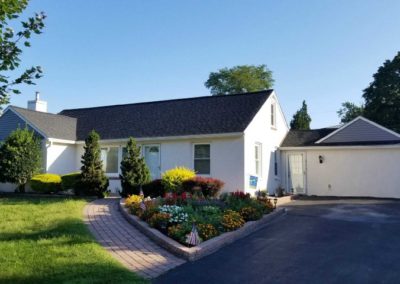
x=190 y=220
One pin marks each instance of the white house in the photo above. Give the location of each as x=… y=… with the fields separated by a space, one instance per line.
x=234 y=138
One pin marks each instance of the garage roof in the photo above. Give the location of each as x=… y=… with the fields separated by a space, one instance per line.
x=359 y=131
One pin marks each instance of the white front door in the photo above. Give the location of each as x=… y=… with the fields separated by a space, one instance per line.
x=151 y=155
x=296 y=173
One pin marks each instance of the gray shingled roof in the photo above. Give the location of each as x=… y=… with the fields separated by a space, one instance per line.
x=52 y=125
x=180 y=117
x=302 y=138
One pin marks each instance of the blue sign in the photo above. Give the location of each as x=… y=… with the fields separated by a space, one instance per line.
x=253 y=181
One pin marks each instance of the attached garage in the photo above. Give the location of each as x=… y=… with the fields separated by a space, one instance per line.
x=360 y=158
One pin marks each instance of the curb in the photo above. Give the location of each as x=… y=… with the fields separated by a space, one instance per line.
x=205 y=248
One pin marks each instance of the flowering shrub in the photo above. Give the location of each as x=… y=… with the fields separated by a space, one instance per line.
x=132 y=199
x=172 y=179
x=207 y=231
x=232 y=220
x=159 y=220
x=178 y=232
x=240 y=195
x=178 y=215
x=250 y=213
x=266 y=204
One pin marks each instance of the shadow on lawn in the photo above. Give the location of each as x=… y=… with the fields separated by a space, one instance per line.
x=71 y=227
x=93 y=272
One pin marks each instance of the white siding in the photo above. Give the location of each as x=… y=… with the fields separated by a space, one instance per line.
x=61 y=158
x=261 y=131
x=227 y=158
x=371 y=172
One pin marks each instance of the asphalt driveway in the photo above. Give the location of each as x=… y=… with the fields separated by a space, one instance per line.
x=340 y=241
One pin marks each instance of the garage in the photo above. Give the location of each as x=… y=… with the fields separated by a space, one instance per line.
x=360 y=159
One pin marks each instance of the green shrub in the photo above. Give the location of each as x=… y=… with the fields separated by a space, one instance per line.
x=153 y=189
x=172 y=179
x=69 y=181
x=251 y=213
x=46 y=183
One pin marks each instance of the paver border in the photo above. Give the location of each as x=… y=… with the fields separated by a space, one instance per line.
x=205 y=248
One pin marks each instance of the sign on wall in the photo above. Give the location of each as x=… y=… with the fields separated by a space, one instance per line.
x=253 y=182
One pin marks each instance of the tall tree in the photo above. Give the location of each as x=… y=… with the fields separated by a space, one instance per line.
x=20 y=158
x=134 y=171
x=349 y=111
x=301 y=119
x=382 y=97
x=11 y=44
x=239 y=79
x=93 y=180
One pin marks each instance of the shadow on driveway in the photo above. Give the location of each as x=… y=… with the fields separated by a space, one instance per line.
x=348 y=241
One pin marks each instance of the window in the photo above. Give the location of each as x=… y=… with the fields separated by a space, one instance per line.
x=273 y=114
x=258 y=159
x=276 y=162
x=109 y=156
x=202 y=159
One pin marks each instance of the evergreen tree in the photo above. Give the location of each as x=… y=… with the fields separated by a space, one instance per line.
x=93 y=180
x=301 y=119
x=20 y=158
x=134 y=171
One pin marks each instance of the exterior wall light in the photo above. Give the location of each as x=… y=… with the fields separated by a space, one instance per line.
x=321 y=159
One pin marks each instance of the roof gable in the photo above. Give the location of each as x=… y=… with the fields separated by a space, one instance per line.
x=360 y=130
x=47 y=124
x=180 y=117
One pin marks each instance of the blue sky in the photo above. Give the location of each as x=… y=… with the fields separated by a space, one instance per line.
x=112 y=52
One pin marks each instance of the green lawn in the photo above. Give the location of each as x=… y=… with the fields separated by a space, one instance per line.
x=44 y=240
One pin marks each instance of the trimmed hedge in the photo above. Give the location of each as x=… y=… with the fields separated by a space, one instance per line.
x=210 y=187
x=46 y=183
x=153 y=189
x=70 y=180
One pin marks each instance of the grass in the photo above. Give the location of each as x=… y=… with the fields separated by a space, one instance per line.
x=44 y=240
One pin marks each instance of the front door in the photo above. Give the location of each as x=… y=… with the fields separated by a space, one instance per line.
x=151 y=155
x=296 y=173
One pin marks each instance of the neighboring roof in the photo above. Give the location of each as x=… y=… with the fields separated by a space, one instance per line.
x=299 y=138
x=179 y=117
x=359 y=131
x=51 y=125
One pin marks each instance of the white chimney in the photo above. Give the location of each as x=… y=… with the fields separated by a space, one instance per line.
x=37 y=104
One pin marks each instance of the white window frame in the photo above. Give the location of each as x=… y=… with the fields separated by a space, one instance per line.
x=193 y=157
x=273 y=115
x=119 y=157
x=258 y=148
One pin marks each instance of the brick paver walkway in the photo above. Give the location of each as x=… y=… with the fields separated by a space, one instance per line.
x=125 y=242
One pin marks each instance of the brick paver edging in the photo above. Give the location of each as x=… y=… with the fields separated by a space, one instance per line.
x=205 y=248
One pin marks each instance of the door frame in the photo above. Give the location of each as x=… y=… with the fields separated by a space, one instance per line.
x=159 y=156
x=304 y=169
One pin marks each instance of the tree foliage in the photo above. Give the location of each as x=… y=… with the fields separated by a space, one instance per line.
x=349 y=111
x=239 y=79
x=11 y=44
x=134 y=171
x=382 y=97
x=301 y=119
x=20 y=158
x=93 y=180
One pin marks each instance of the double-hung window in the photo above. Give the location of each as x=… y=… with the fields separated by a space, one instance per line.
x=258 y=159
x=109 y=156
x=202 y=159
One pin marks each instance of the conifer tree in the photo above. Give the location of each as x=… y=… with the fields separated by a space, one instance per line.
x=93 y=180
x=134 y=171
x=301 y=119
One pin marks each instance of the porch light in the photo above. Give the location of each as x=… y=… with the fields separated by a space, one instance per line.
x=275 y=202
x=321 y=159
